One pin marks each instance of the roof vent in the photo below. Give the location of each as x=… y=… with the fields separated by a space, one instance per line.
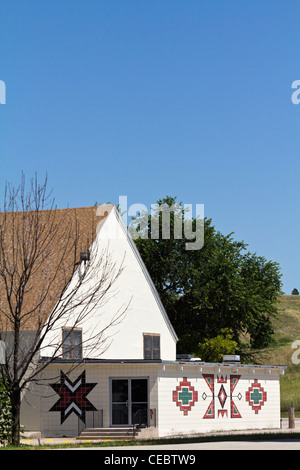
x=187 y=358
x=85 y=256
x=232 y=359
x=184 y=357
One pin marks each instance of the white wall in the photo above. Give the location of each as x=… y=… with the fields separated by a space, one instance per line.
x=134 y=289
x=172 y=420
x=144 y=314
x=162 y=380
x=39 y=400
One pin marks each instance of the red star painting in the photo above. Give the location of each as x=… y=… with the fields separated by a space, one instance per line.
x=72 y=397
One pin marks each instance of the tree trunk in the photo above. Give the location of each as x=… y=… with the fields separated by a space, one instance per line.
x=16 y=407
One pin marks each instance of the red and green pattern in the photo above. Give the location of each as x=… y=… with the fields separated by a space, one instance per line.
x=256 y=396
x=185 y=396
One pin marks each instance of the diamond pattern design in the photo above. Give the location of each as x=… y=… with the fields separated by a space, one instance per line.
x=185 y=396
x=256 y=396
x=222 y=395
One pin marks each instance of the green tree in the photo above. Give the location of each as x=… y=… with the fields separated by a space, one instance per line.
x=213 y=350
x=222 y=285
x=295 y=292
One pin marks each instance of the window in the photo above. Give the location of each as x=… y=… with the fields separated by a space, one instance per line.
x=72 y=343
x=151 y=346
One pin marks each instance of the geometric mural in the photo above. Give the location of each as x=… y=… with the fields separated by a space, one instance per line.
x=234 y=412
x=221 y=396
x=72 y=397
x=220 y=393
x=256 y=396
x=210 y=412
x=224 y=400
x=185 y=396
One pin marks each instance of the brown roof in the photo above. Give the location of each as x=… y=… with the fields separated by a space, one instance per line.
x=39 y=252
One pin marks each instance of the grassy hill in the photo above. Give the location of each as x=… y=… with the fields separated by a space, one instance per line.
x=280 y=353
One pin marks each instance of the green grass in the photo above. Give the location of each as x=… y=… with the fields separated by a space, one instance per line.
x=287 y=327
x=157 y=442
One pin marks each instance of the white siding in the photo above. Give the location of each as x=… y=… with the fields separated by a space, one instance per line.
x=172 y=420
x=42 y=397
x=162 y=383
x=134 y=288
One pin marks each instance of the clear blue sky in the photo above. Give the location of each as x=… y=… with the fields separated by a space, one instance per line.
x=189 y=98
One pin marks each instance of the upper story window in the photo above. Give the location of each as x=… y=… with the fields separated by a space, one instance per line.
x=72 y=343
x=151 y=346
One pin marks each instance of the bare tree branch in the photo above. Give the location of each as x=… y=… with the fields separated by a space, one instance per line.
x=45 y=287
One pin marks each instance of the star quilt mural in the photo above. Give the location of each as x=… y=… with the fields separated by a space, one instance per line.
x=72 y=396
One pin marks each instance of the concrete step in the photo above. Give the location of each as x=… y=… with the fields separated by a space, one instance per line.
x=108 y=433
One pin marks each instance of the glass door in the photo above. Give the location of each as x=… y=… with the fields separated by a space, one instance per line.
x=129 y=402
x=139 y=402
x=120 y=396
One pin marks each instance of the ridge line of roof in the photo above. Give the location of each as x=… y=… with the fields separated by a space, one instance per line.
x=146 y=273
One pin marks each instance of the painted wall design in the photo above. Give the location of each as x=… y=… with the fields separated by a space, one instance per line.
x=256 y=396
x=219 y=393
x=72 y=397
x=185 y=396
x=222 y=395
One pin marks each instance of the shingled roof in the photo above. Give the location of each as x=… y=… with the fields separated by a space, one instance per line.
x=39 y=252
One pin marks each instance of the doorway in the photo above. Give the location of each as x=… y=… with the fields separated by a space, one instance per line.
x=129 y=402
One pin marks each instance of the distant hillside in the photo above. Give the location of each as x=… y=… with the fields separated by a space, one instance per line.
x=280 y=353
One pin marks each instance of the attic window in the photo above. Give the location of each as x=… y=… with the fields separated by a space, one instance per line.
x=72 y=343
x=151 y=346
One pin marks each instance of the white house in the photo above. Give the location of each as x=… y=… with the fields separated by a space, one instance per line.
x=132 y=377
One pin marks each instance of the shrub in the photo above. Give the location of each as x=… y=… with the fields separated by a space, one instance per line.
x=5 y=415
x=213 y=350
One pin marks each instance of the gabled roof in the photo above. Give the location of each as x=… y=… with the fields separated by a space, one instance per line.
x=62 y=235
x=148 y=279
x=54 y=239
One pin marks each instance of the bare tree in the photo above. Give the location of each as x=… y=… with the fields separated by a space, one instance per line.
x=45 y=285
